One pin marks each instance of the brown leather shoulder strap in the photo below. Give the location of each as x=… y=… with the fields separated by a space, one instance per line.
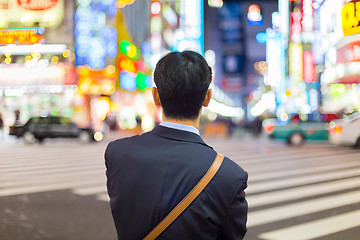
x=187 y=200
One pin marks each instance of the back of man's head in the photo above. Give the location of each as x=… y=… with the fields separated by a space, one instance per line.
x=182 y=80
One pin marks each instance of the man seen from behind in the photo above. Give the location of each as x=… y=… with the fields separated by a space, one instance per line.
x=149 y=174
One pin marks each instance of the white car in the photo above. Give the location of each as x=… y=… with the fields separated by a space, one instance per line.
x=346 y=131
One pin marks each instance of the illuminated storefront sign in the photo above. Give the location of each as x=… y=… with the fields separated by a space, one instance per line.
x=20 y=75
x=24 y=13
x=28 y=49
x=21 y=36
x=349 y=53
x=351 y=17
x=37 y=5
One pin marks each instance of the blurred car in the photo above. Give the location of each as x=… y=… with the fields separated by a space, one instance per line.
x=346 y=131
x=300 y=128
x=39 y=128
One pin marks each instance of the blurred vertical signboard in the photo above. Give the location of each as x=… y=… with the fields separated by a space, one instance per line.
x=95 y=37
x=232 y=40
x=26 y=13
x=190 y=34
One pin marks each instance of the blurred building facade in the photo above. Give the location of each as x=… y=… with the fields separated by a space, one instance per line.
x=235 y=31
x=93 y=60
x=311 y=59
x=37 y=74
x=340 y=79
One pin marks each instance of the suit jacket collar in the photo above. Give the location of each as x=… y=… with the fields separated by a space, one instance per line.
x=179 y=135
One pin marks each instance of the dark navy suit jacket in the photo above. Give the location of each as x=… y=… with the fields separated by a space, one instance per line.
x=149 y=174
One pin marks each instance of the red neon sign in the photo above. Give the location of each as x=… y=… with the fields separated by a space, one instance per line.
x=295 y=25
x=349 y=53
x=309 y=73
x=308 y=16
x=37 y=5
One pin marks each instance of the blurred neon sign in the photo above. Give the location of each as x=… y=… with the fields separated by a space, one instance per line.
x=191 y=27
x=123 y=3
x=351 y=17
x=254 y=17
x=21 y=35
x=155 y=8
x=260 y=37
x=130 y=50
x=296 y=61
x=37 y=5
x=123 y=63
x=349 y=53
x=309 y=73
x=95 y=39
x=128 y=81
x=308 y=15
x=21 y=75
x=295 y=26
x=216 y=3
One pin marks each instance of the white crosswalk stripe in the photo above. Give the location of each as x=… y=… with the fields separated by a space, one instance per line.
x=302 y=192
x=32 y=169
x=298 y=209
x=317 y=228
x=301 y=180
x=285 y=184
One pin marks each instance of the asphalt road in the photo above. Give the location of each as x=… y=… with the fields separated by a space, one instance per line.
x=56 y=190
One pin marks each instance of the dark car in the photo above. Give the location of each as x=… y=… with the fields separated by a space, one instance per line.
x=39 y=128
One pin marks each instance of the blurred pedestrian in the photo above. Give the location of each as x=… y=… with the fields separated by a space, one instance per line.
x=17 y=118
x=138 y=128
x=257 y=126
x=149 y=174
x=2 y=134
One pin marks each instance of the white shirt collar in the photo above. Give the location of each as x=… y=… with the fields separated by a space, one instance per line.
x=179 y=126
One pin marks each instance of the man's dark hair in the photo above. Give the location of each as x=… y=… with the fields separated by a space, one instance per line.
x=182 y=80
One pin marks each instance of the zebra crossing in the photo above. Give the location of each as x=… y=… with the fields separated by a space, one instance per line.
x=309 y=192
x=294 y=193
x=40 y=168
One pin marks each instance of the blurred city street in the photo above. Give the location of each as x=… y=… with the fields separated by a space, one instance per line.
x=285 y=106
x=56 y=190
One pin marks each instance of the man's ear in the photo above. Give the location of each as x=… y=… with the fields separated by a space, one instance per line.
x=156 y=97
x=207 y=98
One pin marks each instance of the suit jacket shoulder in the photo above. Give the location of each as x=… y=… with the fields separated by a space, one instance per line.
x=148 y=175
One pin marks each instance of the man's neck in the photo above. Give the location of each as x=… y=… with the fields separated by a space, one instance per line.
x=190 y=122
